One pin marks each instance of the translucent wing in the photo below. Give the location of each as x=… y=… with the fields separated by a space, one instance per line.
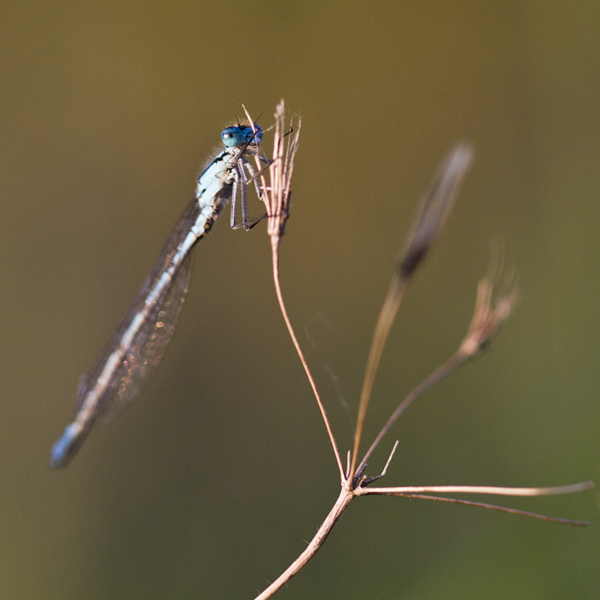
x=150 y=343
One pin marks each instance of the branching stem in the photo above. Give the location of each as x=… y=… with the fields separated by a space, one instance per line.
x=486 y=321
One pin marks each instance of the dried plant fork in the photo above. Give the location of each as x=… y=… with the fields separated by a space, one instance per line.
x=488 y=316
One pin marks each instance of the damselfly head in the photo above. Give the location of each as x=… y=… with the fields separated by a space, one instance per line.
x=241 y=134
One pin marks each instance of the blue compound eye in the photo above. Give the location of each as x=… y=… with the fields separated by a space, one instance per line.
x=232 y=136
x=236 y=136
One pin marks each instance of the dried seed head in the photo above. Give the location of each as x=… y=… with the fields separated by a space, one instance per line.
x=277 y=194
x=490 y=313
x=434 y=208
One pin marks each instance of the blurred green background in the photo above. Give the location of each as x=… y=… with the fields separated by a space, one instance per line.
x=211 y=483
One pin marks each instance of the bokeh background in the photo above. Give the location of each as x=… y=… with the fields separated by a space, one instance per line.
x=213 y=480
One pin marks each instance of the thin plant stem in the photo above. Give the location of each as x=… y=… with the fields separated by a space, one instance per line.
x=482 y=489
x=422 y=493
x=345 y=497
x=386 y=318
x=276 y=281
x=513 y=511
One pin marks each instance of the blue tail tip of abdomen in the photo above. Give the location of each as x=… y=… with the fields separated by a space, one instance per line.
x=65 y=447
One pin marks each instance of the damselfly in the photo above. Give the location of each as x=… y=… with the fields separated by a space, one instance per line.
x=138 y=344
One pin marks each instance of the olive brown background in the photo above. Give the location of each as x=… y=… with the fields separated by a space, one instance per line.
x=209 y=485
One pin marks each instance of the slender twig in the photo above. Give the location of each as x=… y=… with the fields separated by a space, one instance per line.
x=368 y=480
x=388 y=313
x=422 y=493
x=482 y=489
x=513 y=511
x=286 y=318
x=345 y=497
